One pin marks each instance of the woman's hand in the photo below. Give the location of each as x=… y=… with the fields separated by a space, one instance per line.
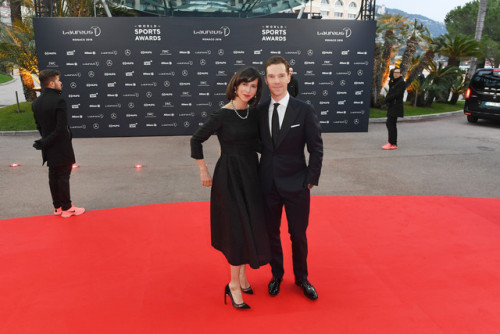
x=206 y=179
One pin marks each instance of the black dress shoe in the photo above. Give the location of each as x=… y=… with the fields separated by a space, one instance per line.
x=274 y=286
x=308 y=289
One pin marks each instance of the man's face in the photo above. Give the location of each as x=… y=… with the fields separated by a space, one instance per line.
x=56 y=83
x=277 y=79
x=396 y=73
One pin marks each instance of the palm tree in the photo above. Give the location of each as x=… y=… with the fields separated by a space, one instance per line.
x=440 y=77
x=431 y=47
x=18 y=49
x=417 y=30
x=459 y=47
x=388 y=26
x=458 y=87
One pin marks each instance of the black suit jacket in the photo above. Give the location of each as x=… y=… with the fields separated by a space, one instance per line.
x=49 y=110
x=285 y=165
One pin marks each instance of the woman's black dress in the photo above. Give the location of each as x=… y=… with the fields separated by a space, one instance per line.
x=236 y=210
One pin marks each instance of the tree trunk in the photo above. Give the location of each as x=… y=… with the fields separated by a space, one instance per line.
x=454 y=98
x=28 y=85
x=411 y=48
x=375 y=77
x=424 y=61
x=15 y=11
x=385 y=62
x=481 y=14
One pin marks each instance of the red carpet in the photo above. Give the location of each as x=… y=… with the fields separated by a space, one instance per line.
x=380 y=265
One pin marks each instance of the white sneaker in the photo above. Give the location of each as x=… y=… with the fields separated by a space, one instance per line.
x=73 y=211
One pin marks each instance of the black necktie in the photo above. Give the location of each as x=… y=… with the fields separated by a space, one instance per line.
x=275 y=124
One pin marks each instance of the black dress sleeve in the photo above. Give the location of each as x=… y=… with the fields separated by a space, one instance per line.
x=211 y=126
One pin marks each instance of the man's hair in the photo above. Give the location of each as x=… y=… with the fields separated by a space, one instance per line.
x=278 y=60
x=247 y=74
x=47 y=76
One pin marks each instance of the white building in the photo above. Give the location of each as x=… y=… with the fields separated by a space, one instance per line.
x=333 y=9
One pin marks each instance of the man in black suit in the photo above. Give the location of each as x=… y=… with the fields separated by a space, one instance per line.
x=287 y=125
x=49 y=110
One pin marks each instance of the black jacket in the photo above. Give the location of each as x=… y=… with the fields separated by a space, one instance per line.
x=49 y=110
x=286 y=166
x=394 y=98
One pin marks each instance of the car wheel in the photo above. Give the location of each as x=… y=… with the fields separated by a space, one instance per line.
x=472 y=119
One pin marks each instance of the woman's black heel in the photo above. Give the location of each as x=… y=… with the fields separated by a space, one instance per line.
x=227 y=292
x=248 y=290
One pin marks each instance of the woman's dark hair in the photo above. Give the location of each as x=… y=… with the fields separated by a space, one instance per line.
x=247 y=74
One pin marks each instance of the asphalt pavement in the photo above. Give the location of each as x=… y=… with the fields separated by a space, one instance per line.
x=445 y=156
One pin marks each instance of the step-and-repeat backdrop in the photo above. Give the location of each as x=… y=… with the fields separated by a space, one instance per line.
x=163 y=76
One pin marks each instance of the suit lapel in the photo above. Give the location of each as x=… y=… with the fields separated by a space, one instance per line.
x=290 y=116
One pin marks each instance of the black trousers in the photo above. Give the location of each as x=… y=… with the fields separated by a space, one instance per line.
x=59 y=186
x=392 y=129
x=297 y=214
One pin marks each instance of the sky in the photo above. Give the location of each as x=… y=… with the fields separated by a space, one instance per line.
x=433 y=9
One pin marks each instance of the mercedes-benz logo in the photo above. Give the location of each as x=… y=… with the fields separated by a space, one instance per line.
x=185 y=73
x=292 y=62
x=220 y=52
x=91 y=74
x=356 y=121
x=204 y=114
x=310 y=52
x=325 y=93
x=203 y=62
x=95 y=126
x=128 y=52
x=342 y=82
x=186 y=124
x=72 y=85
x=149 y=94
x=131 y=105
x=114 y=116
x=166 y=83
x=360 y=72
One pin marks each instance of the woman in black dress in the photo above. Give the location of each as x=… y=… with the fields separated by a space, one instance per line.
x=237 y=219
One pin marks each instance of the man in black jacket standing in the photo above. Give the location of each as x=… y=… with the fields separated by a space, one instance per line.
x=287 y=126
x=49 y=110
x=394 y=100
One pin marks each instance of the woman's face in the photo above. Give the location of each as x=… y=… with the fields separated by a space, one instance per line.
x=247 y=90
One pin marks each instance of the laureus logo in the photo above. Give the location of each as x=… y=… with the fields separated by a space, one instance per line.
x=92 y=31
x=222 y=31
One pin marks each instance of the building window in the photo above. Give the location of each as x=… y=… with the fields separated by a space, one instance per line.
x=325 y=13
x=325 y=2
x=339 y=3
x=352 y=5
x=351 y=16
x=338 y=14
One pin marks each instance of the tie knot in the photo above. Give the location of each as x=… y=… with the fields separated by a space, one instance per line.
x=276 y=106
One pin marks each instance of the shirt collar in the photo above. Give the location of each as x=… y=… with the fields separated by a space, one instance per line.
x=283 y=102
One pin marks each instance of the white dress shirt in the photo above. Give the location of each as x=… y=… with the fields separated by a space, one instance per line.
x=281 y=110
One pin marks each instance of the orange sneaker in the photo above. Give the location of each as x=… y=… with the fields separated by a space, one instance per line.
x=387 y=146
x=58 y=211
x=73 y=211
x=394 y=147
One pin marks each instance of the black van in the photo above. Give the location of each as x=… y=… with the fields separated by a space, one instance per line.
x=482 y=98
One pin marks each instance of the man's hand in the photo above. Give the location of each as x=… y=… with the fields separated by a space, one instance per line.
x=310 y=186
x=38 y=144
